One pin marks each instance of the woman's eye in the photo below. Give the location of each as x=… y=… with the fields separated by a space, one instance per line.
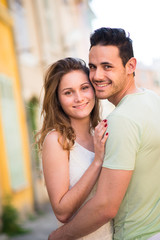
x=67 y=93
x=85 y=87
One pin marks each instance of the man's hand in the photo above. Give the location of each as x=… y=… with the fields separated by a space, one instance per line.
x=51 y=236
x=59 y=234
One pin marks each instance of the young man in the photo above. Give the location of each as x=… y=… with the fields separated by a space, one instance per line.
x=128 y=187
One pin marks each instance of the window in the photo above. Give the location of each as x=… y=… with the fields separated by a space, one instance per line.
x=12 y=135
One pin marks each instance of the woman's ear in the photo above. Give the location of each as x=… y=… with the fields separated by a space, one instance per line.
x=131 y=65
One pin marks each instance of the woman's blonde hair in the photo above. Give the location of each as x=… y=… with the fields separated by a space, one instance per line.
x=53 y=115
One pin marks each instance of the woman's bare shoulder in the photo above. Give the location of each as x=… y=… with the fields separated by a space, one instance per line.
x=51 y=138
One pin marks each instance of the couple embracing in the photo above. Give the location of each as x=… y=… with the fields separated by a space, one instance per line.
x=102 y=177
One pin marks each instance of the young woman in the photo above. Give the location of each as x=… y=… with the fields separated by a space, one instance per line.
x=72 y=157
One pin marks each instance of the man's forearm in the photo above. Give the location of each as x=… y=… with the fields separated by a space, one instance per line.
x=87 y=220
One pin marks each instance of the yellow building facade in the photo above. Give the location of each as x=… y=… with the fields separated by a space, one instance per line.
x=15 y=166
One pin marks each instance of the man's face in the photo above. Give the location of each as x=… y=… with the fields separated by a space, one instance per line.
x=107 y=73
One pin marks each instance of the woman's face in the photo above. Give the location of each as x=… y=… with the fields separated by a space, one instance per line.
x=76 y=95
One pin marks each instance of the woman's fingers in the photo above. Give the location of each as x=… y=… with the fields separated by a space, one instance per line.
x=100 y=137
x=105 y=136
x=100 y=126
x=100 y=130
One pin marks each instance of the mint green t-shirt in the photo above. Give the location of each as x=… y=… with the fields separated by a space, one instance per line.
x=134 y=144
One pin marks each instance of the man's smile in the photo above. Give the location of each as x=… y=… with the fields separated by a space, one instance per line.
x=101 y=84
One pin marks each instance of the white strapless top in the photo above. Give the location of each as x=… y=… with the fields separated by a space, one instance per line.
x=80 y=159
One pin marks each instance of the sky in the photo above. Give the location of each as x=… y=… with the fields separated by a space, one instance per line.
x=141 y=18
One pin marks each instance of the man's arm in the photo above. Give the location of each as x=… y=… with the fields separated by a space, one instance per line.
x=100 y=209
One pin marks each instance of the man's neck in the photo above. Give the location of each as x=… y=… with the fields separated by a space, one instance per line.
x=130 y=89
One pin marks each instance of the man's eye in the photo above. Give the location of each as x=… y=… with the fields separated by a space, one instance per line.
x=107 y=66
x=91 y=67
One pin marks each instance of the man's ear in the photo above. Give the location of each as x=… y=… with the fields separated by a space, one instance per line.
x=131 y=65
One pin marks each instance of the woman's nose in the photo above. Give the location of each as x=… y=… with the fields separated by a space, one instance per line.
x=78 y=97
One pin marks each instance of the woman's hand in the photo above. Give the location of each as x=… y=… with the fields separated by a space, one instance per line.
x=100 y=137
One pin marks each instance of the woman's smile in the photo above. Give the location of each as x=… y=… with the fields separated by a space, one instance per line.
x=81 y=106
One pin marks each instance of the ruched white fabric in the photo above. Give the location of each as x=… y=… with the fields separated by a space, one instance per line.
x=80 y=159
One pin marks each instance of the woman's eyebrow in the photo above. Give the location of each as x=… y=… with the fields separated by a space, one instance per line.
x=64 y=89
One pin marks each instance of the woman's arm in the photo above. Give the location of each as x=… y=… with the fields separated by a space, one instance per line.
x=66 y=201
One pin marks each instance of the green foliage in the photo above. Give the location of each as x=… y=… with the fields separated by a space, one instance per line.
x=10 y=221
x=32 y=111
x=33 y=107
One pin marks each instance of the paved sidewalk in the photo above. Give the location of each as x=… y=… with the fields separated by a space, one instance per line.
x=40 y=227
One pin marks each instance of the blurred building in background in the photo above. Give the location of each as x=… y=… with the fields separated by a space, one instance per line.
x=149 y=76
x=33 y=34
x=15 y=169
x=45 y=31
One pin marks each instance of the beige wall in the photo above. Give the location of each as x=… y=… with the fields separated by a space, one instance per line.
x=148 y=77
x=53 y=29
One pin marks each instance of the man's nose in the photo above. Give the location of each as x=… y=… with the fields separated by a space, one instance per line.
x=98 y=75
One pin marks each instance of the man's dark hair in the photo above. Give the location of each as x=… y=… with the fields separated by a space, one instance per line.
x=115 y=37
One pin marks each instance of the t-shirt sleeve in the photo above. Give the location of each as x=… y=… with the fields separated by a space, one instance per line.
x=122 y=143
